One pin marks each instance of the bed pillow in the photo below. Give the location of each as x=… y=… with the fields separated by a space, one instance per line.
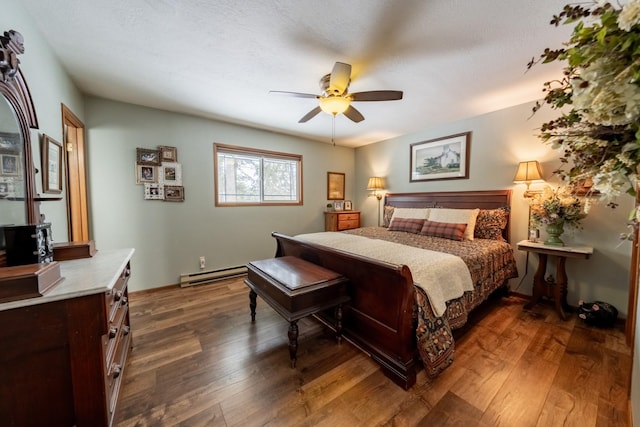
x=410 y=225
x=456 y=216
x=387 y=215
x=419 y=213
x=490 y=223
x=447 y=230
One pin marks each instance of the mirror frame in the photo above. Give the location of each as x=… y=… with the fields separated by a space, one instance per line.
x=15 y=90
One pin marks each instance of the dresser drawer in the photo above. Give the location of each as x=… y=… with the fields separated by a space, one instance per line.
x=115 y=370
x=348 y=217
x=117 y=296
x=116 y=330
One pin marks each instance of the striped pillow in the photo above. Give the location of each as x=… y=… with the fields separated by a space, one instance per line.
x=445 y=230
x=410 y=225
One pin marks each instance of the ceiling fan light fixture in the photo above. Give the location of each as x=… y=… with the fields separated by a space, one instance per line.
x=334 y=104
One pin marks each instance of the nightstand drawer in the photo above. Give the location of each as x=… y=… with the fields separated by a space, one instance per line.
x=348 y=217
x=339 y=221
x=348 y=225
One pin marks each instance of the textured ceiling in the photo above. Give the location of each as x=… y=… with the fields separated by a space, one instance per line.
x=219 y=58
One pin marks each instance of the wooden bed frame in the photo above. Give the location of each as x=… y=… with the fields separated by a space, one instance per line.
x=381 y=318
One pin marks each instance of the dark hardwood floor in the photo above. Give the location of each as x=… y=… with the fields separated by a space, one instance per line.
x=198 y=360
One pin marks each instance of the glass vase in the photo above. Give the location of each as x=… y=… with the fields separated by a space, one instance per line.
x=554 y=231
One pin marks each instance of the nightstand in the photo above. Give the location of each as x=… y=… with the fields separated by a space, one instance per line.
x=343 y=220
x=556 y=288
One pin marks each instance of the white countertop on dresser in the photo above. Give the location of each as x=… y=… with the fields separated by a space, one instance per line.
x=82 y=277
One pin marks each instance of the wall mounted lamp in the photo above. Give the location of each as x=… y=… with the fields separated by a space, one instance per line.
x=527 y=173
x=376 y=185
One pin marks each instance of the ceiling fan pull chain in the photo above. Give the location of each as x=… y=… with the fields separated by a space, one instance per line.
x=333 y=130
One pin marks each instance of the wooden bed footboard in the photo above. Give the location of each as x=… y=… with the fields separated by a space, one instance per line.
x=381 y=319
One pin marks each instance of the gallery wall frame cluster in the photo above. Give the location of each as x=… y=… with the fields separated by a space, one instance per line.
x=160 y=173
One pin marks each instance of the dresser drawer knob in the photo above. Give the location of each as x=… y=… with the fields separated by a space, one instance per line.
x=124 y=301
x=125 y=330
x=117 y=296
x=113 y=331
x=117 y=369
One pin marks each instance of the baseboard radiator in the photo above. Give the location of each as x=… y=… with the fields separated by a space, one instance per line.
x=202 y=277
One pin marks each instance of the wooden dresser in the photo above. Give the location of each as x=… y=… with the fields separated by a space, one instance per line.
x=338 y=221
x=63 y=354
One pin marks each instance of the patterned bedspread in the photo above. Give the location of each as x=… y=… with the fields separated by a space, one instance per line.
x=490 y=262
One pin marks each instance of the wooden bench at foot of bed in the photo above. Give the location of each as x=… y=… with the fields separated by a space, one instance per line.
x=380 y=319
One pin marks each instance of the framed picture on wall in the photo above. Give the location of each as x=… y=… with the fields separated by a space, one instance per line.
x=153 y=192
x=52 y=165
x=168 y=154
x=146 y=174
x=440 y=158
x=173 y=193
x=170 y=173
x=144 y=156
x=335 y=186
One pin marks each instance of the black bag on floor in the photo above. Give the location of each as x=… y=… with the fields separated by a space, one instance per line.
x=598 y=313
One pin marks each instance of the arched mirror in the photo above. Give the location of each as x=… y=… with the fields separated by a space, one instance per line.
x=17 y=116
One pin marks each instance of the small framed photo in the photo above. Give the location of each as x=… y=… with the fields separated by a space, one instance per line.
x=348 y=206
x=338 y=205
x=52 y=165
x=9 y=164
x=173 y=193
x=146 y=174
x=153 y=192
x=170 y=173
x=145 y=156
x=168 y=154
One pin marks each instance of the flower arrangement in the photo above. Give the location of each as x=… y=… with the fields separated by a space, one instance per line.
x=560 y=206
x=598 y=132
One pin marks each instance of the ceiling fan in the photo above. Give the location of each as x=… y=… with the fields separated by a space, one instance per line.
x=335 y=98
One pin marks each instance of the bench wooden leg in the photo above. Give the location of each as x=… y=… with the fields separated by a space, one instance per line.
x=339 y=323
x=252 y=304
x=293 y=342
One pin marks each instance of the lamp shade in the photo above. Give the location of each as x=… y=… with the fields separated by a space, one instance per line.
x=528 y=172
x=334 y=104
x=375 y=183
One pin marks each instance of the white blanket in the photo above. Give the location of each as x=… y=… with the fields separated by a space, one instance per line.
x=442 y=276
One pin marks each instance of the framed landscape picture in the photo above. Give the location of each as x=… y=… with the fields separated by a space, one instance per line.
x=440 y=158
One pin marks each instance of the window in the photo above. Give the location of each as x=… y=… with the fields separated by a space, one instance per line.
x=246 y=176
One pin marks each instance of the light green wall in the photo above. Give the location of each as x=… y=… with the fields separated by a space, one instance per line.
x=499 y=141
x=170 y=237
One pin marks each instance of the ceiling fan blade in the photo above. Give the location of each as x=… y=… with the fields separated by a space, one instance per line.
x=340 y=78
x=377 y=95
x=353 y=114
x=311 y=114
x=296 y=94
